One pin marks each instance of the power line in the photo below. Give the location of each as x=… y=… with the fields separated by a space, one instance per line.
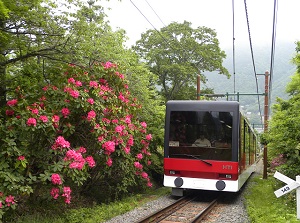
x=273 y=47
x=155 y=13
x=252 y=56
x=166 y=41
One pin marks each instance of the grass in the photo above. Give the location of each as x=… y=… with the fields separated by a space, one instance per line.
x=264 y=207
x=95 y=213
x=261 y=203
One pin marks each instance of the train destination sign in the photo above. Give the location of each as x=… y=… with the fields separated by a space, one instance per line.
x=290 y=186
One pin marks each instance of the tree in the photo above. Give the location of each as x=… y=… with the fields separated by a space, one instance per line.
x=284 y=134
x=37 y=54
x=177 y=54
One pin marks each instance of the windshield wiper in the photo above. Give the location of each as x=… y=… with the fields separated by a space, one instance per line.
x=195 y=157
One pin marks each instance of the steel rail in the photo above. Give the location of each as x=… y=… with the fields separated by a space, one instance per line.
x=167 y=211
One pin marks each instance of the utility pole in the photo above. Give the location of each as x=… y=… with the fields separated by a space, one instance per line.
x=198 y=86
x=266 y=116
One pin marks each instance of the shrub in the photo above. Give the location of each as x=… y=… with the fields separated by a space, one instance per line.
x=84 y=125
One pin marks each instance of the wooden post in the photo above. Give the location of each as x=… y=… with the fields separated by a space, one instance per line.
x=266 y=115
x=198 y=86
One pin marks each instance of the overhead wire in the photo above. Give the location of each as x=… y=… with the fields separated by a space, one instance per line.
x=155 y=12
x=234 y=71
x=273 y=48
x=166 y=41
x=252 y=56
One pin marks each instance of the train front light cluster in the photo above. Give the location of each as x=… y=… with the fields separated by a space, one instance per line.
x=225 y=176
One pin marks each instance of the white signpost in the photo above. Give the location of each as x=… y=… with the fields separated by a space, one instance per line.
x=291 y=185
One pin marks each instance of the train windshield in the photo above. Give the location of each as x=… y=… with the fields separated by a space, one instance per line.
x=200 y=134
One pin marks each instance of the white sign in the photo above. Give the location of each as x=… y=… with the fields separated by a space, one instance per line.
x=291 y=185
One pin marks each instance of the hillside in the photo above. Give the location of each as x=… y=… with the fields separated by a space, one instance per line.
x=245 y=79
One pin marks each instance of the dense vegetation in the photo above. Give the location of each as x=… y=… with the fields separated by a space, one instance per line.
x=81 y=118
x=284 y=134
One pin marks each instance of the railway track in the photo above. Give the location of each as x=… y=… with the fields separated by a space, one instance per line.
x=189 y=209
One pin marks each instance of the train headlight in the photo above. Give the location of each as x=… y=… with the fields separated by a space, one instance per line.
x=172 y=172
x=226 y=176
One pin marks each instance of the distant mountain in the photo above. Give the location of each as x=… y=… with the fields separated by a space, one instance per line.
x=244 y=78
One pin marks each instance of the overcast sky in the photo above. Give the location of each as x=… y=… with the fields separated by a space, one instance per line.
x=215 y=14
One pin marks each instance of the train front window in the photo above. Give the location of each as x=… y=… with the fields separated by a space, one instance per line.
x=201 y=134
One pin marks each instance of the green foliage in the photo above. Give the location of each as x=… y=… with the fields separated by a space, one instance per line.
x=269 y=209
x=177 y=54
x=59 y=130
x=89 y=212
x=284 y=133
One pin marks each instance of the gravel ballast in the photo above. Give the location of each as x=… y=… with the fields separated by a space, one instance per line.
x=231 y=209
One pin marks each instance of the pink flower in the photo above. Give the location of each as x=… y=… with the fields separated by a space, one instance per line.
x=74 y=93
x=55 y=118
x=21 y=158
x=144 y=175
x=0 y=204
x=77 y=164
x=71 y=80
x=100 y=138
x=106 y=120
x=127 y=150
x=9 y=200
x=9 y=112
x=149 y=184
x=31 y=122
x=60 y=142
x=120 y=75
x=12 y=102
x=139 y=156
x=54 y=193
x=67 y=194
x=119 y=128
x=138 y=165
x=55 y=179
x=35 y=111
x=91 y=115
x=65 y=112
x=90 y=160
x=94 y=84
x=90 y=100
x=128 y=119
x=43 y=118
x=81 y=150
x=109 y=65
x=115 y=121
x=109 y=146
x=102 y=81
x=78 y=83
x=149 y=162
x=149 y=137
x=130 y=141
x=144 y=124
x=77 y=161
x=109 y=162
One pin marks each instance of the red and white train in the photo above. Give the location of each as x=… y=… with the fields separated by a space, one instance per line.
x=221 y=162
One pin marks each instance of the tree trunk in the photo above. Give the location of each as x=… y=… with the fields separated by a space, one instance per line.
x=2 y=86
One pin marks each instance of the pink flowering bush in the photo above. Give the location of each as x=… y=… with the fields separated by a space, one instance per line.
x=81 y=129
